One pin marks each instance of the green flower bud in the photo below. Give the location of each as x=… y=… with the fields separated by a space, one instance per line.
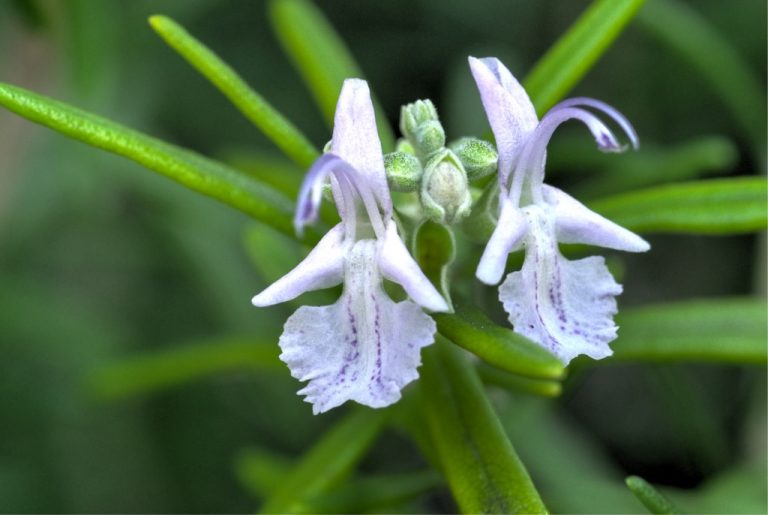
x=445 y=195
x=403 y=171
x=420 y=124
x=478 y=157
x=403 y=145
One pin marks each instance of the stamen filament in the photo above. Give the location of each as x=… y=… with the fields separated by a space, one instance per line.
x=614 y=114
x=349 y=181
x=533 y=154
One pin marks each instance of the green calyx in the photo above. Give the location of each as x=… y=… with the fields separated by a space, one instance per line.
x=404 y=171
x=479 y=157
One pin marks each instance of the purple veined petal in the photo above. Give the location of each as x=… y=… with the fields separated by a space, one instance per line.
x=509 y=110
x=615 y=115
x=356 y=139
x=575 y=223
x=531 y=162
x=397 y=265
x=506 y=238
x=565 y=306
x=364 y=348
x=322 y=268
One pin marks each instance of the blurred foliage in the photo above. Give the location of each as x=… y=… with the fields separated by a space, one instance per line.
x=123 y=388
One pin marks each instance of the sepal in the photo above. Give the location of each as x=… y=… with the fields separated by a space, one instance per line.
x=397 y=265
x=508 y=237
x=322 y=268
x=575 y=223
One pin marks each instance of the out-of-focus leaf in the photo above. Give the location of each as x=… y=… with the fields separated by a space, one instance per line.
x=374 y=494
x=321 y=57
x=493 y=376
x=165 y=369
x=276 y=127
x=650 y=497
x=280 y=174
x=716 y=206
x=603 y=174
x=569 y=59
x=276 y=172
x=468 y=327
x=719 y=330
x=575 y=473
x=261 y=471
x=477 y=458
x=434 y=248
x=194 y=171
x=681 y=28
x=330 y=460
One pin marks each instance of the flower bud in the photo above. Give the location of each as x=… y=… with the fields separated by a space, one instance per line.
x=445 y=195
x=420 y=124
x=403 y=171
x=478 y=157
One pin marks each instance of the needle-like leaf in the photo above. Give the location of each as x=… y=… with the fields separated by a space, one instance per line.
x=482 y=468
x=321 y=57
x=715 y=206
x=274 y=125
x=329 y=461
x=714 y=330
x=193 y=170
x=568 y=60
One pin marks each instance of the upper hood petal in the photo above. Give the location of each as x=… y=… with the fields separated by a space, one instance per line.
x=356 y=139
x=509 y=110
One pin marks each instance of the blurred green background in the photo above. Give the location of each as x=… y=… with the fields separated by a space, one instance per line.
x=101 y=261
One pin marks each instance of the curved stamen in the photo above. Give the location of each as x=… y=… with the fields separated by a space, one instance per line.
x=532 y=157
x=349 y=181
x=615 y=115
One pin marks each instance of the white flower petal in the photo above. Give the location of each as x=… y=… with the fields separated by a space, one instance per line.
x=565 y=306
x=322 y=268
x=364 y=348
x=509 y=110
x=575 y=223
x=506 y=238
x=397 y=265
x=356 y=139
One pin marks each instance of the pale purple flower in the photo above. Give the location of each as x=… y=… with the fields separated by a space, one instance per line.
x=365 y=347
x=565 y=306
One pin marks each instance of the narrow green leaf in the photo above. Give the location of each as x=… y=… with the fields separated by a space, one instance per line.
x=715 y=330
x=496 y=345
x=650 y=497
x=434 y=248
x=276 y=127
x=329 y=461
x=682 y=29
x=493 y=376
x=194 y=171
x=321 y=57
x=482 y=467
x=374 y=494
x=569 y=59
x=164 y=369
x=715 y=206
